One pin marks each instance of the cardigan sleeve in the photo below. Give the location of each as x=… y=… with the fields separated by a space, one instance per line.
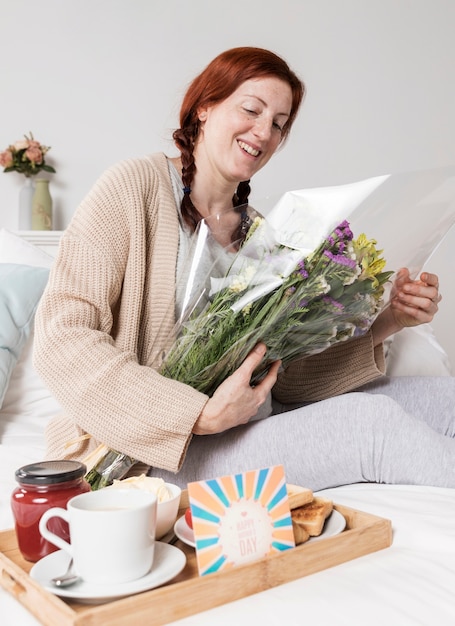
x=93 y=318
x=339 y=369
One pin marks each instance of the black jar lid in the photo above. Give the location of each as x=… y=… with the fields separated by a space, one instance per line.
x=50 y=472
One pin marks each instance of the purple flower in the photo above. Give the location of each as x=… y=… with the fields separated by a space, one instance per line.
x=340 y=259
x=301 y=269
x=344 y=231
x=337 y=305
x=340 y=235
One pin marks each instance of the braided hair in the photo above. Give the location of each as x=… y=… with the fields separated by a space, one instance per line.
x=216 y=83
x=185 y=140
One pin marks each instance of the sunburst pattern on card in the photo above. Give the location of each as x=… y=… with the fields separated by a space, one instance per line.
x=240 y=518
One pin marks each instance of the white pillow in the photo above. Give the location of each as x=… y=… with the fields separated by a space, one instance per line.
x=27 y=403
x=13 y=249
x=21 y=287
x=416 y=352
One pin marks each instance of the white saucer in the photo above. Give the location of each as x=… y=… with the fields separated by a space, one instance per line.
x=334 y=525
x=167 y=563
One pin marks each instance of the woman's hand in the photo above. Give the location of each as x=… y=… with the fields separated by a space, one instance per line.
x=236 y=401
x=415 y=302
x=412 y=302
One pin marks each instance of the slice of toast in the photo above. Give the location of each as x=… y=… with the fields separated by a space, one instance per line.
x=298 y=496
x=300 y=534
x=311 y=517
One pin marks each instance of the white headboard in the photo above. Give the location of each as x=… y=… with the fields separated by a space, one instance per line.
x=46 y=240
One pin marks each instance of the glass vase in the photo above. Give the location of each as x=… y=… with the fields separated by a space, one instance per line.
x=25 y=204
x=42 y=206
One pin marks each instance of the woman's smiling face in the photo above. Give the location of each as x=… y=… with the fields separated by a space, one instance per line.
x=240 y=134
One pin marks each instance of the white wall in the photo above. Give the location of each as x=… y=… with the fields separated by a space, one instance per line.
x=101 y=80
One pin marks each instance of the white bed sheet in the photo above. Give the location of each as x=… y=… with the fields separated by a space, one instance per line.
x=410 y=583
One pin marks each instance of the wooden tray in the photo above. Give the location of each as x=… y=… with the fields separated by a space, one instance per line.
x=188 y=593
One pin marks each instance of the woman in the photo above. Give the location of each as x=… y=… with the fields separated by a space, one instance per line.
x=109 y=310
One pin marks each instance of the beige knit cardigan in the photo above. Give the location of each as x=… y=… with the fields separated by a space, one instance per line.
x=107 y=315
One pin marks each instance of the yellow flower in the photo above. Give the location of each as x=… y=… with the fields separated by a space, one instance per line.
x=369 y=258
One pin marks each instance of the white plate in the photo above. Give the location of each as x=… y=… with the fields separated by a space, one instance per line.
x=167 y=563
x=334 y=525
x=184 y=532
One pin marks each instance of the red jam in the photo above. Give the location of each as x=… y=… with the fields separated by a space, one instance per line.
x=42 y=486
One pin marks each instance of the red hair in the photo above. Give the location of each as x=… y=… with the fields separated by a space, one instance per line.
x=213 y=85
x=228 y=71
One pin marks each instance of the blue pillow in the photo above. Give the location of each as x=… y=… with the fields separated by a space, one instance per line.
x=21 y=287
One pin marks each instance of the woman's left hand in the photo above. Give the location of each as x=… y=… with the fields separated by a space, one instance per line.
x=414 y=302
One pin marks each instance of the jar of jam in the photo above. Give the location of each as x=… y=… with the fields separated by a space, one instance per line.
x=42 y=486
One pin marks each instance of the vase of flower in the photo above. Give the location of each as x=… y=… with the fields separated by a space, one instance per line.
x=25 y=204
x=42 y=206
x=27 y=157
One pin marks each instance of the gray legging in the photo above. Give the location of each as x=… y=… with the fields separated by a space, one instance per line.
x=396 y=431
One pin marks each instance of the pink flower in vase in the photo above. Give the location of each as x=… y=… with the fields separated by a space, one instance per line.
x=26 y=157
x=6 y=158
x=34 y=154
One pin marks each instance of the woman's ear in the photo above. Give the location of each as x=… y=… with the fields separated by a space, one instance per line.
x=202 y=114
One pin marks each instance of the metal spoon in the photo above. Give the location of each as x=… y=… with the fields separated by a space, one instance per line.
x=68 y=578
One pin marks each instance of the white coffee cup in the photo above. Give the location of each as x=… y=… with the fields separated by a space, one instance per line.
x=112 y=534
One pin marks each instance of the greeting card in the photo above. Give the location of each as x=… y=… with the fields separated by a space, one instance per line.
x=240 y=518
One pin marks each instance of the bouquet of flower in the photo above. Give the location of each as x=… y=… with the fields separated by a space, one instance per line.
x=26 y=156
x=298 y=304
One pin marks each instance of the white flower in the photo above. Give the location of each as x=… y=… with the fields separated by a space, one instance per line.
x=322 y=284
x=241 y=281
x=350 y=280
